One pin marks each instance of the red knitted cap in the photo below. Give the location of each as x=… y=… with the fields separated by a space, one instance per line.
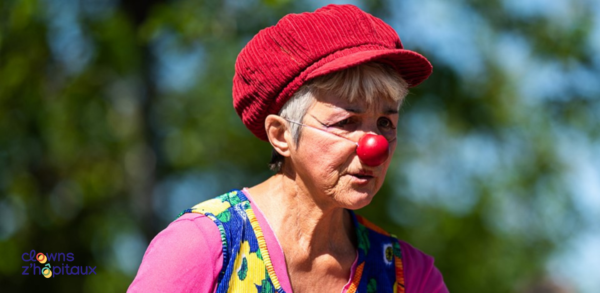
x=300 y=47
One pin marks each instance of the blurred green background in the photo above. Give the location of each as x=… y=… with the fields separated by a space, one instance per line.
x=117 y=115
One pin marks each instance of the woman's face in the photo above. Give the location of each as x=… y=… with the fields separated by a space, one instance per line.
x=328 y=165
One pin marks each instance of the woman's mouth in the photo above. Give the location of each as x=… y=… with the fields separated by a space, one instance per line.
x=362 y=177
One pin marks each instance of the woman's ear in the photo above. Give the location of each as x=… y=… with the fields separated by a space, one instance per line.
x=278 y=134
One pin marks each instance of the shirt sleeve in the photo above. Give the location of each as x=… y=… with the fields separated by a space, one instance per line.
x=420 y=274
x=187 y=256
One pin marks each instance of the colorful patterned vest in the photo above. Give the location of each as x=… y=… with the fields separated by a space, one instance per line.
x=247 y=266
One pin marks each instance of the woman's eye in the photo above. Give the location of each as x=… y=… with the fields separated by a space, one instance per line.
x=385 y=123
x=343 y=123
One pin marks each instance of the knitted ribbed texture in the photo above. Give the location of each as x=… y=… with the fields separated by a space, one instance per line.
x=300 y=47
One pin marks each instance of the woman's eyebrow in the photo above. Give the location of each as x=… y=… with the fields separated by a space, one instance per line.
x=354 y=110
x=346 y=108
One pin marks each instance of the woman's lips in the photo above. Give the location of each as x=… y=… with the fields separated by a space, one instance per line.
x=363 y=173
x=361 y=177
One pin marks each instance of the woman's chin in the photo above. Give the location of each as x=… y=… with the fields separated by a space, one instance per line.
x=355 y=199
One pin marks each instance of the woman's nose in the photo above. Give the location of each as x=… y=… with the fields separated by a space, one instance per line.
x=373 y=149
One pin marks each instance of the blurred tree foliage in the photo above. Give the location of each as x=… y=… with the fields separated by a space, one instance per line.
x=107 y=107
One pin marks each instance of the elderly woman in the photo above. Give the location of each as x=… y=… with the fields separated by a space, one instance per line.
x=324 y=90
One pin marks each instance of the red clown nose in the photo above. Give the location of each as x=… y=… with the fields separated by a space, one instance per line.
x=373 y=149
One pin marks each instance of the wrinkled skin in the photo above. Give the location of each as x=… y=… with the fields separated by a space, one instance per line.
x=328 y=165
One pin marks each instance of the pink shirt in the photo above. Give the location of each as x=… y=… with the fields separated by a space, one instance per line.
x=187 y=256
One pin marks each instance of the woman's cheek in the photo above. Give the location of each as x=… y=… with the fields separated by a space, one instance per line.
x=329 y=160
x=334 y=151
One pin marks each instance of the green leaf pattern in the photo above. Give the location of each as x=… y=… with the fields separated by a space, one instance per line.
x=372 y=286
x=397 y=251
x=243 y=271
x=363 y=238
x=266 y=287
x=224 y=216
x=234 y=198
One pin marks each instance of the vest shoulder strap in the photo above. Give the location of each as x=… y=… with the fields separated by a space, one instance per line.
x=247 y=265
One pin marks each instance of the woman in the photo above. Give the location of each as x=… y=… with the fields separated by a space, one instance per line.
x=324 y=88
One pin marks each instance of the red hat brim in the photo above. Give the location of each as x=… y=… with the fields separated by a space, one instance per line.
x=412 y=66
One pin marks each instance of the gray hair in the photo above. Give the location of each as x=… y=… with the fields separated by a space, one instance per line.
x=369 y=81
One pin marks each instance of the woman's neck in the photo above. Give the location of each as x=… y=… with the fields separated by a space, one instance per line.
x=306 y=229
